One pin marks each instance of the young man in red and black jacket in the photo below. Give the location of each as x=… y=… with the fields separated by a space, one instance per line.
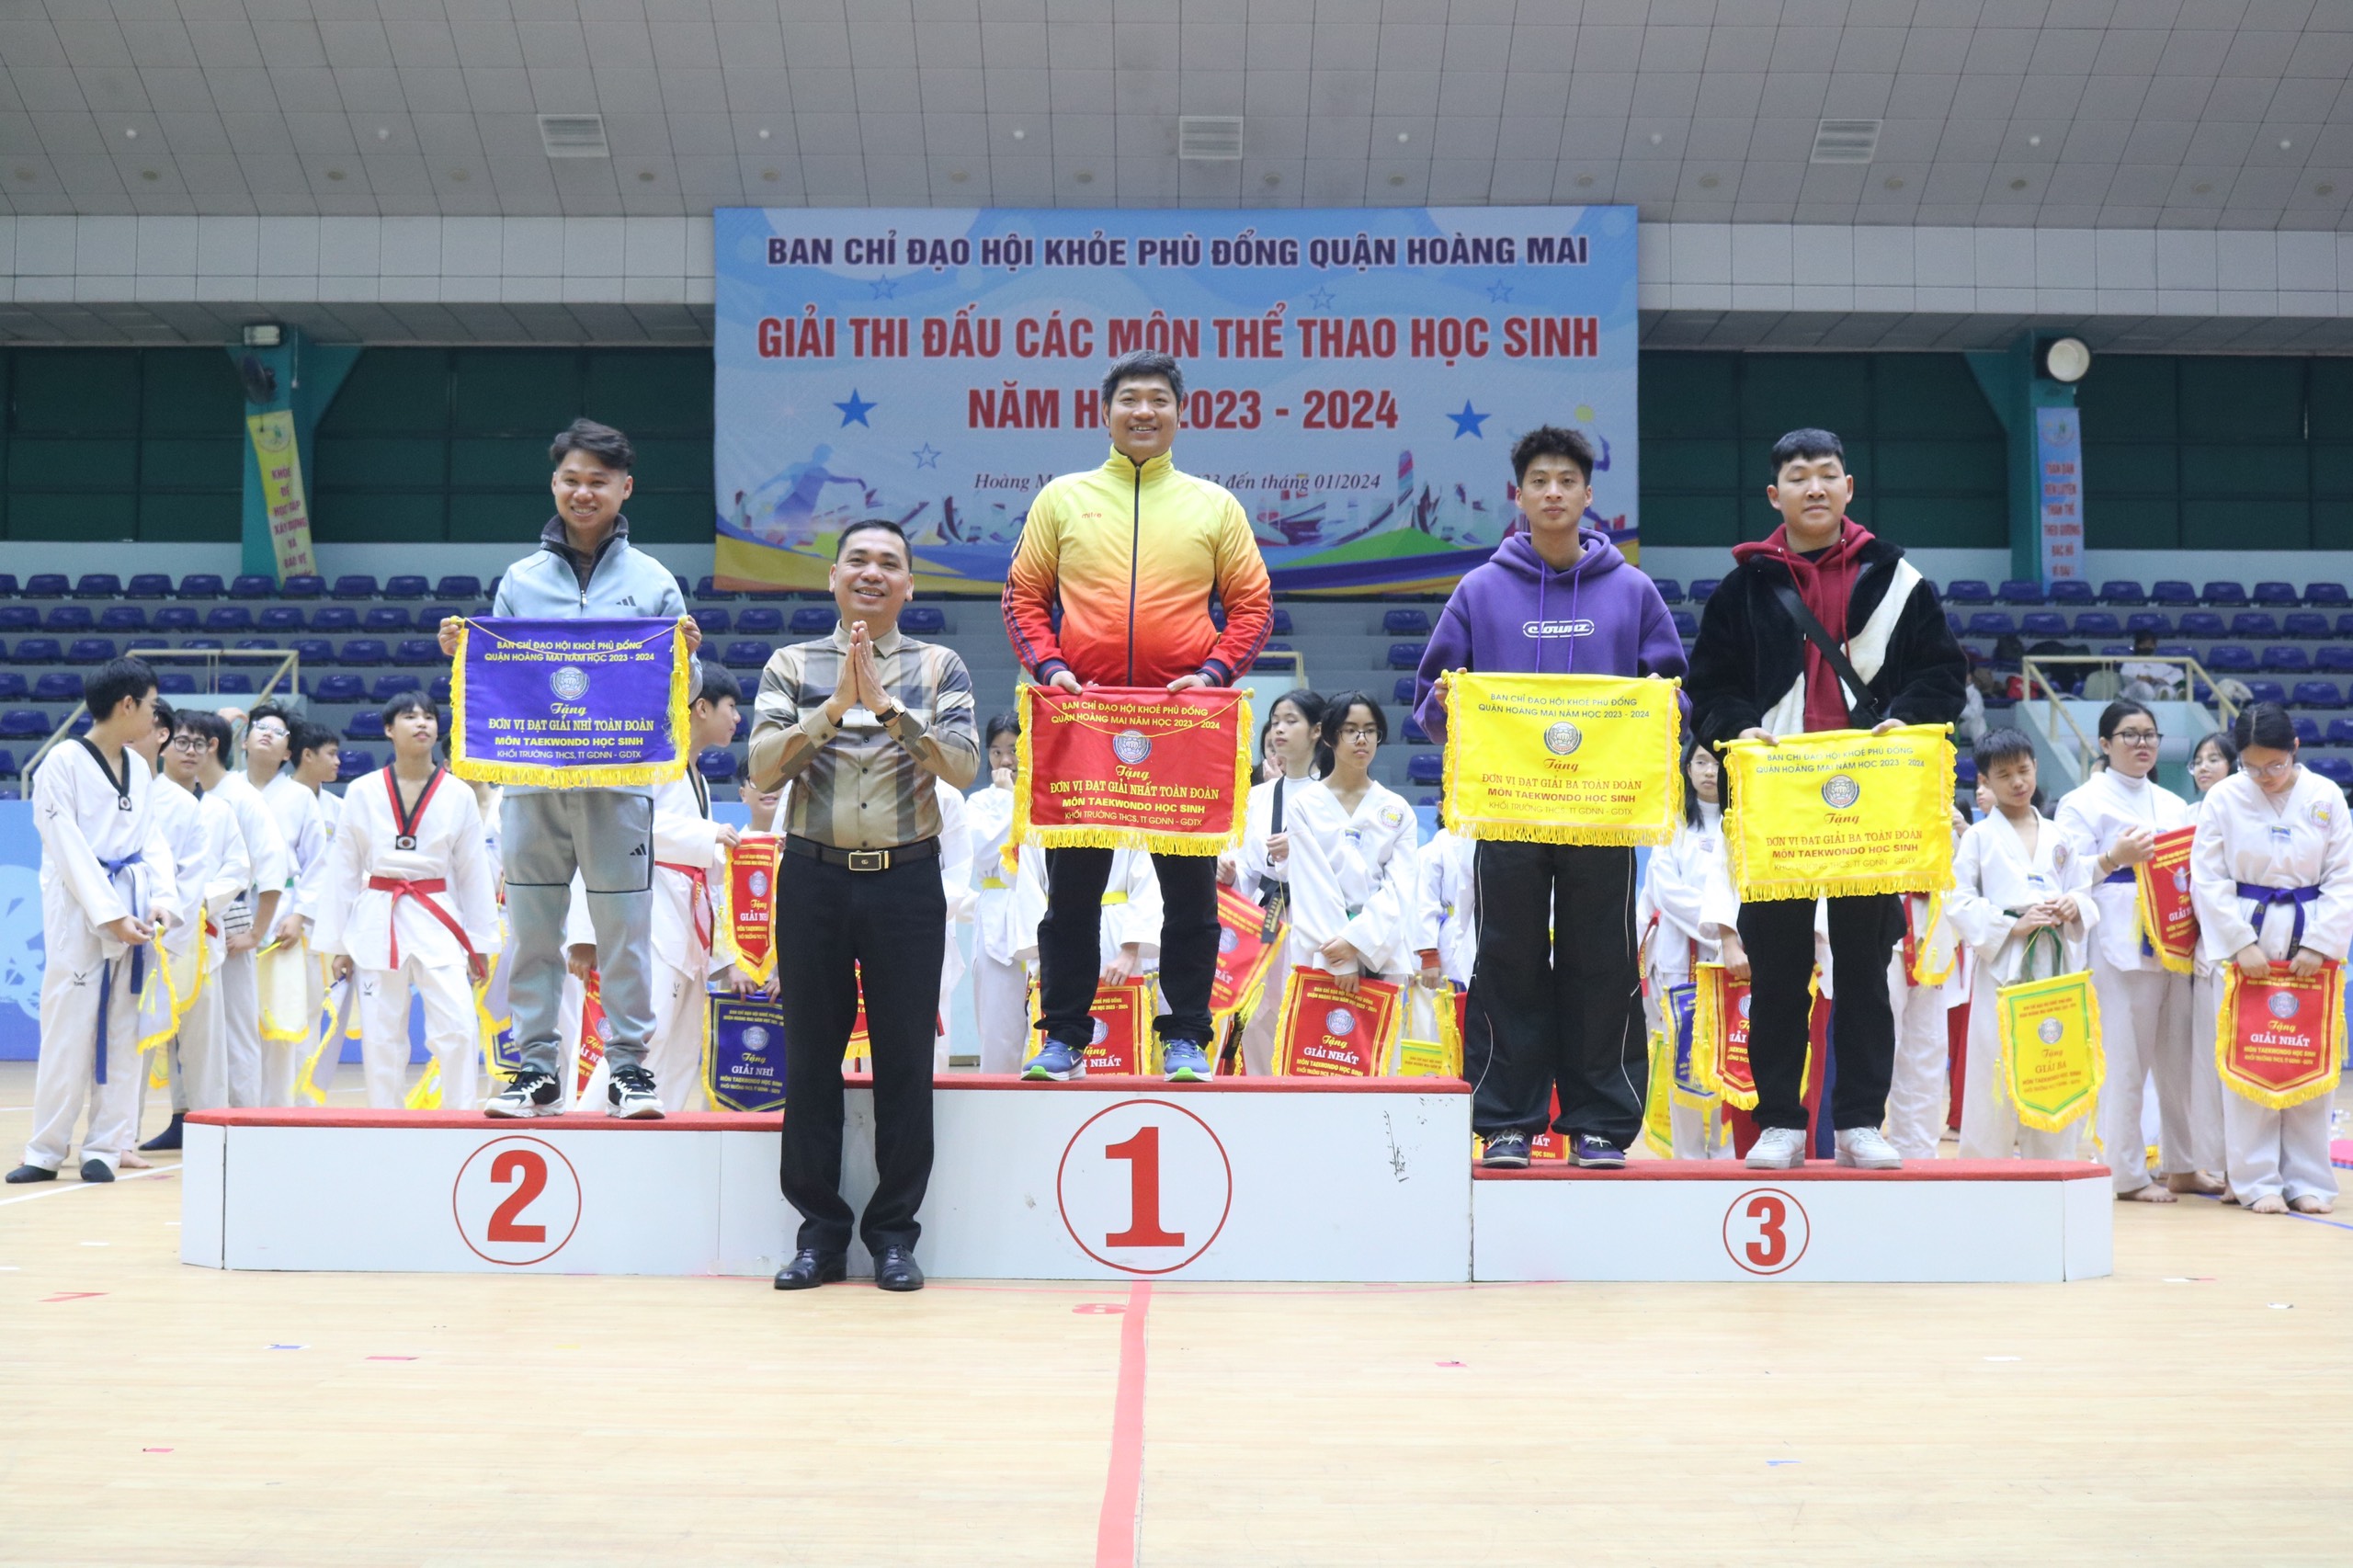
x=1755 y=675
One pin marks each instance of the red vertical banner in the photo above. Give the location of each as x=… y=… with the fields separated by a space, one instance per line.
x=2280 y=1042
x=2168 y=922
x=750 y=892
x=1326 y=1032
x=594 y=1032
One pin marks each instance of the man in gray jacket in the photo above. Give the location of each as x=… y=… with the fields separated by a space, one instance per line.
x=584 y=569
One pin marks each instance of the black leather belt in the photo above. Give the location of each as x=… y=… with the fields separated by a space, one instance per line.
x=863 y=860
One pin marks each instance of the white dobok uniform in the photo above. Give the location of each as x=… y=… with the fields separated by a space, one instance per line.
x=956 y=882
x=266 y=856
x=103 y=857
x=2247 y=841
x=302 y=824
x=1353 y=874
x=1995 y=878
x=1258 y=879
x=1448 y=912
x=1000 y=978
x=1920 y=1077
x=213 y=872
x=689 y=864
x=408 y=915
x=1687 y=886
x=2144 y=1009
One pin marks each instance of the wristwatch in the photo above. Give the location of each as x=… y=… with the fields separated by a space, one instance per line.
x=884 y=719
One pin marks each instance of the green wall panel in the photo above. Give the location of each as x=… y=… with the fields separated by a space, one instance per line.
x=69 y=462
x=377 y=516
x=49 y=515
x=393 y=391
x=2245 y=524
x=195 y=517
x=190 y=391
x=84 y=392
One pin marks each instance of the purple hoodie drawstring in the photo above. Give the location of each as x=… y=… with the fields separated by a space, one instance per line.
x=1543 y=625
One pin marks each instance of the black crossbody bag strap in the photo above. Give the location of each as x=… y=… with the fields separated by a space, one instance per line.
x=1862 y=713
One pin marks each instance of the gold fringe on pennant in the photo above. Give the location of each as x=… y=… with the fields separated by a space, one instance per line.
x=2004 y=1077
x=271 y=977
x=2225 y=1024
x=1023 y=834
x=177 y=1005
x=307 y=1080
x=1667 y=767
x=726 y=917
x=1831 y=887
x=2171 y=962
x=1706 y=1022
x=1920 y=946
x=426 y=1094
x=546 y=776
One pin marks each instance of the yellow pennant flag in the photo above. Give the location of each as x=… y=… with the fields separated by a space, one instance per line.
x=1563 y=759
x=2046 y=1032
x=1840 y=813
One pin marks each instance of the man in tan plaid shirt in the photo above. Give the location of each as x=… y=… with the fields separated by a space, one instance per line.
x=863 y=724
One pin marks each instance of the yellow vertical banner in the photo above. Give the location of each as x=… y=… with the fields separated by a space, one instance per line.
x=280 y=461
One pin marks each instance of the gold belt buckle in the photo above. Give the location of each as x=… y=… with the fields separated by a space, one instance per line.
x=869 y=859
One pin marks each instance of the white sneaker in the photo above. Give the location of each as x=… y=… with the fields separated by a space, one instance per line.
x=1863 y=1148
x=1777 y=1149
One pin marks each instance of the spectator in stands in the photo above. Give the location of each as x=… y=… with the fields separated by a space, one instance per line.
x=1132 y=551
x=1557 y=991
x=1822 y=587
x=2147 y=678
x=584 y=569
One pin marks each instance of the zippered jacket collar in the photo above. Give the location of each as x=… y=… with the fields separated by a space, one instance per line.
x=557 y=542
x=1128 y=468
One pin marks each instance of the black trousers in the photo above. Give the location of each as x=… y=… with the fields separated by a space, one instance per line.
x=1070 y=943
x=1556 y=995
x=1779 y=935
x=830 y=923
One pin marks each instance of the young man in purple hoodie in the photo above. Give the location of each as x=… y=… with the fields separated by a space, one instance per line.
x=1556 y=993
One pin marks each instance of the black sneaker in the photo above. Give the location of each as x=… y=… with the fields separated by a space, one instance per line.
x=1597 y=1154
x=96 y=1170
x=1506 y=1152
x=24 y=1174
x=630 y=1095
x=169 y=1137
x=528 y=1093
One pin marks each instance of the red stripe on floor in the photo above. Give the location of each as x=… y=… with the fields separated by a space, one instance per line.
x=1115 y=1532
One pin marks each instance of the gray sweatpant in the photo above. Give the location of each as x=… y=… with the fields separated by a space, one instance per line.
x=607 y=836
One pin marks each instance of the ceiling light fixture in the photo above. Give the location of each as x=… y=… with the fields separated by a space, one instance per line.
x=645 y=177
x=1209 y=138
x=574 y=136
x=1396 y=179
x=1893 y=182
x=764 y=132
x=1845 y=141
x=130 y=133
x=957 y=178
x=1656 y=138
x=383 y=134
x=1584 y=181
x=2034 y=141
x=1085 y=176
x=769 y=176
x=1019 y=134
x=2285 y=143
x=334 y=173
x=2019 y=184
x=1710 y=182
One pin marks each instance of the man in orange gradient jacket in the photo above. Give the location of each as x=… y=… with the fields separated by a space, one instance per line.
x=1133 y=553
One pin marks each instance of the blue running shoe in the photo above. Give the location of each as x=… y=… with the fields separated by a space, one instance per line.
x=1056 y=1061
x=1505 y=1152
x=1597 y=1154
x=1185 y=1061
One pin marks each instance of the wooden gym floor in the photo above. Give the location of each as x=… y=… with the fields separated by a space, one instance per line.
x=2195 y=1409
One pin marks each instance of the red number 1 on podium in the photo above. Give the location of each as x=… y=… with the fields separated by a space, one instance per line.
x=1141 y=1150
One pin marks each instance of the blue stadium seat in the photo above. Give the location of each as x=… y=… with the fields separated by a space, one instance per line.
x=2172 y=591
x=2020 y=591
x=743 y=723
x=303 y=585
x=174 y=683
x=13 y=688
x=2307 y=730
x=1687 y=625
x=358 y=763
x=1993 y=623
x=389 y=687
x=173 y=619
x=1953 y=621
x=1968 y=591
x=767 y=620
x=1402 y=694
x=2154 y=620
x=226 y=618
x=2267 y=691
x=1405 y=656
x=385 y=621
x=709 y=588
x=355 y=586
x=341 y=688
x=430 y=617
x=2071 y=591
x=2335 y=659
x=1405 y=623
x=123 y=618
x=200 y=586
x=2203 y=624
x=90 y=650
x=214 y=644
x=490 y=591
x=2287 y=659
x=68 y=619
x=362 y=652
x=366 y=725
x=2337 y=770
x=2278 y=594
x=716 y=764
x=37 y=650
x=1702 y=590
x=2327 y=596
x=2224 y=593
x=18 y=618
x=2305 y=623
x=922 y=620
x=807 y=621
x=2231 y=658
x=416 y=652
x=2341 y=733
x=336 y=620
x=58 y=685
x=149 y=585
x=47 y=585
x=713 y=619
x=1414 y=733
x=746 y=655
x=2122 y=591
x=2043 y=623
x=2318 y=694
x=458 y=586
x=1668 y=589
x=257 y=645
x=1280 y=626
x=282 y=619
x=24 y=724
x=314 y=650
x=1426 y=768
x=98 y=586
x=439 y=689
x=1277 y=648
x=234 y=681
x=2097 y=623
x=2254 y=623
x=7 y=584
x=408 y=586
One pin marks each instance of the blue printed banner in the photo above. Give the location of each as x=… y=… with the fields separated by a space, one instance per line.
x=1355 y=377
x=569 y=704
x=745 y=1067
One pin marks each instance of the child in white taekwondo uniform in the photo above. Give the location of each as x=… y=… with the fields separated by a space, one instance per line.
x=107 y=891
x=1442 y=872
x=410 y=902
x=2215 y=758
x=303 y=827
x=2271 y=872
x=1130 y=928
x=955 y=883
x=1920 y=1077
x=1292 y=752
x=2112 y=819
x=1000 y=980
x=222 y=874
x=690 y=863
x=256 y=915
x=314 y=760
x=1686 y=890
x=2015 y=874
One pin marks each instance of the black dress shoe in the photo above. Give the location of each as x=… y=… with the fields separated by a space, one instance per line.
x=23 y=1174
x=96 y=1170
x=169 y=1137
x=810 y=1268
x=897 y=1271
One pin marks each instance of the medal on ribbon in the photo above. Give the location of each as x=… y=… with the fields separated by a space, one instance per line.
x=2280 y=1042
x=1840 y=813
x=1113 y=767
x=1325 y=1032
x=2168 y=920
x=1563 y=759
x=743 y=1069
x=750 y=893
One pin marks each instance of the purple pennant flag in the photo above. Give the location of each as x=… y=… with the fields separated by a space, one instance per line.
x=570 y=704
